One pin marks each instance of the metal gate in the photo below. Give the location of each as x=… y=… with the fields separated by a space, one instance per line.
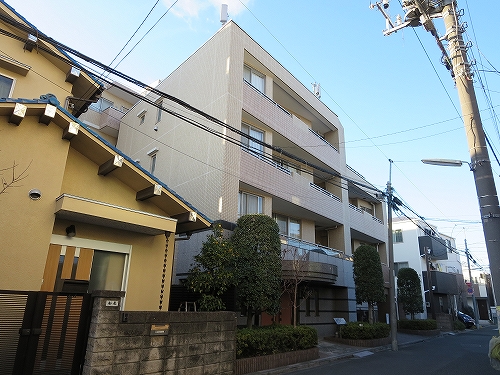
x=42 y=332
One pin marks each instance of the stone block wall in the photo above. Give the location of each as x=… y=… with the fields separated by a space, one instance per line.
x=444 y=322
x=159 y=342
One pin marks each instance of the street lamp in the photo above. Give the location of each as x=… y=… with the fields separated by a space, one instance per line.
x=446 y=162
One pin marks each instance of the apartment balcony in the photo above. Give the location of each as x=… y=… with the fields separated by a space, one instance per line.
x=107 y=121
x=274 y=180
x=361 y=221
x=291 y=128
x=442 y=282
x=312 y=262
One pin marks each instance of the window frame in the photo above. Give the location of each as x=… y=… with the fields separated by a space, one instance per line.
x=288 y=222
x=253 y=72
x=11 y=91
x=397 y=236
x=159 y=103
x=260 y=203
x=251 y=146
x=153 y=160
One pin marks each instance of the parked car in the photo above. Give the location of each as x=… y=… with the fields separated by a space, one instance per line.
x=466 y=319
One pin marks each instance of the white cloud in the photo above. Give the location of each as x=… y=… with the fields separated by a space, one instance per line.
x=192 y=8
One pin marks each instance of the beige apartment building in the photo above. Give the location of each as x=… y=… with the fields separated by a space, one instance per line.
x=322 y=212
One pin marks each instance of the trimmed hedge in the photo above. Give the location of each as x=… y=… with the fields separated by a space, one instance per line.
x=253 y=342
x=365 y=331
x=458 y=325
x=418 y=324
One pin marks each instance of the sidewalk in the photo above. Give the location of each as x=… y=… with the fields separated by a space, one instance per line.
x=330 y=352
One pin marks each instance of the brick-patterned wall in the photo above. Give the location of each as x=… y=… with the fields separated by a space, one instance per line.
x=127 y=343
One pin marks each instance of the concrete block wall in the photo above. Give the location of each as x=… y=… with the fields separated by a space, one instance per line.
x=138 y=342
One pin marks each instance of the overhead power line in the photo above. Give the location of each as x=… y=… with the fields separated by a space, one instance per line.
x=164 y=95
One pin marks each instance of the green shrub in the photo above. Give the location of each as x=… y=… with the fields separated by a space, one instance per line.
x=274 y=339
x=418 y=324
x=365 y=331
x=458 y=325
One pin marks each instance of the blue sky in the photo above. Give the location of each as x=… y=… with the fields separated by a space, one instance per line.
x=393 y=96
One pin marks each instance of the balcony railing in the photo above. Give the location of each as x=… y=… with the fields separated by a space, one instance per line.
x=361 y=211
x=323 y=139
x=266 y=159
x=324 y=191
x=304 y=247
x=267 y=97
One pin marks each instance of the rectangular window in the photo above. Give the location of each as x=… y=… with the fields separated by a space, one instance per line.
x=249 y=204
x=6 y=86
x=152 y=165
x=107 y=271
x=159 y=103
x=294 y=228
x=254 y=146
x=397 y=236
x=255 y=78
x=288 y=226
x=399 y=265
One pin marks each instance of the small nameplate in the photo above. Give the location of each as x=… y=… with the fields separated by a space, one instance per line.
x=159 y=329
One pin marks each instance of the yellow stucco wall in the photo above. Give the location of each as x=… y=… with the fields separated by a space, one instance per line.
x=43 y=77
x=26 y=225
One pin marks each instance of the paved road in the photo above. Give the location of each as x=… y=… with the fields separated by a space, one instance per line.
x=463 y=353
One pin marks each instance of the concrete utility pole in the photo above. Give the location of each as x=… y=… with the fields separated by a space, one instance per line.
x=422 y=12
x=393 y=320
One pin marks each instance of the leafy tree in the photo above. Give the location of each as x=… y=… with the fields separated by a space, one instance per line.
x=368 y=277
x=257 y=246
x=409 y=291
x=213 y=271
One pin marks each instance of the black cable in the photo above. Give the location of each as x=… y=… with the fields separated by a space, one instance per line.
x=135 y=32
x=163 y=95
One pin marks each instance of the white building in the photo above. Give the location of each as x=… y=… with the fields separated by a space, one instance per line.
x=411 y=238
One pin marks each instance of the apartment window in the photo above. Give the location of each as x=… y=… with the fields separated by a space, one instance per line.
x=142 y=116
x=254 y=133
x=159 y=103
x=397 y=235
x=249 y=204
x=400 y=265
x=288 y=226
x=6 y=86
x=101 y=105
x=368 y=210
x=255 y=78
x=152 y=163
